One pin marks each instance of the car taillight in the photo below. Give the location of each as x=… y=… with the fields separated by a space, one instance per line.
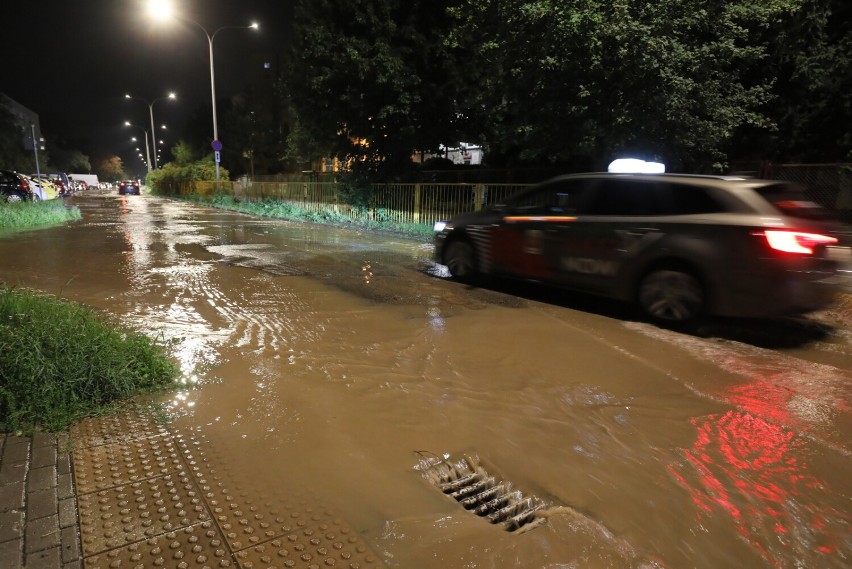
x=795 y=241
x=25 y=185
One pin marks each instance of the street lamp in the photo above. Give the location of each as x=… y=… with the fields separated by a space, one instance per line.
x=161 y=9
x=128 y=123
x=150 y=104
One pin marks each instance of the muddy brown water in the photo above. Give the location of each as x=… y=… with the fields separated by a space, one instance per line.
x=332 y=359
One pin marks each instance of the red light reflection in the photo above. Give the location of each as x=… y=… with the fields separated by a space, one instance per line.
x=752 y=470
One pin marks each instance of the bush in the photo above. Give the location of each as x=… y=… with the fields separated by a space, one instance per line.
x=60 y=362
x=174 y=174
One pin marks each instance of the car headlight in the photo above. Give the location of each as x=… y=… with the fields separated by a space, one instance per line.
x=439 y=226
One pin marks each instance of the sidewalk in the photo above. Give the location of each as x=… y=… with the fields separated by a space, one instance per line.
x=38 y=514
x=138 y=493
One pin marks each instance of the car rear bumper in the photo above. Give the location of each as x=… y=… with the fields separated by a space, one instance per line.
x=785 y=289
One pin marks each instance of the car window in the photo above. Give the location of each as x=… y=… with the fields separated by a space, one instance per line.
x=686 y=199
x=559 y=197
x=626 y=197
x=791 y=200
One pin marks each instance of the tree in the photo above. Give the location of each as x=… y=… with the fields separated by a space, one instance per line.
x=109 y=169
x=370 y=79
x=70 y=160
x=554 y=80
x=183 y=153
x=811 y=61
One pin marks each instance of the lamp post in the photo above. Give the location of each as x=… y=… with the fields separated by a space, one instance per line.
x=210 y=39
x=161 y=9
x=150 y=104
x=128 y=123
x=35 y=149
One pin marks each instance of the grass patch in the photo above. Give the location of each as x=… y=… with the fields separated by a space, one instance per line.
x=25 y=215
x=287 y=210
x=60 y=362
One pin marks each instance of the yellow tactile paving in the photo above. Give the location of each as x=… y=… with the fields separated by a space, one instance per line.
x=124 y=514
x=150 y=497
x=197 y=546
x=104 y=466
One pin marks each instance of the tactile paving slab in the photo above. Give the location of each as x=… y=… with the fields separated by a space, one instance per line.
x=198 y=546
x=149 y=498
x=328 y=544
x=134 y=424
x=118 y=516
x=100 y=467
x=246 y=516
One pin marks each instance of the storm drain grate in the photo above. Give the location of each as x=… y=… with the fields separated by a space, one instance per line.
x=466 y=481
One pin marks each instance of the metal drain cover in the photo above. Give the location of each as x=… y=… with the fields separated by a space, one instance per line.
x=467 y=481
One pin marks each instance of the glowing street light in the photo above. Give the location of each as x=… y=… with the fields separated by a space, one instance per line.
x=162 y=10
x=148 y=161
x=150 y=104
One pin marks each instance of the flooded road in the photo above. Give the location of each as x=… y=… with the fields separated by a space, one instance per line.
x=334 y=362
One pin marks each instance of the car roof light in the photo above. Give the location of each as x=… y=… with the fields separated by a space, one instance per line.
x=635 y=166
x=796 y=242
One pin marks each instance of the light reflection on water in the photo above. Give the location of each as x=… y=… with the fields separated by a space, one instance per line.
x=754 y=473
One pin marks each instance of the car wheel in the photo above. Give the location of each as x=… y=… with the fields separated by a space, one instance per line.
x=460 y=259
x=671 y=295
x=36 y=198
x=14 y=198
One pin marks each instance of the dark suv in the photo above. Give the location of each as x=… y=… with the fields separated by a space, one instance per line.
x=678 y=245
x=14 y=187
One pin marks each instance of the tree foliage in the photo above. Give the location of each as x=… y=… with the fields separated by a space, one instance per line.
x=371 y=80
x=811 y=61
x=556 y=79
x=109 y=168
x=572 y=82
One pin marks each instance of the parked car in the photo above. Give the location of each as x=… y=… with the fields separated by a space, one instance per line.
x=56 y=181
x=14 y=187
x=42 y=189
x=679 y=246
x=126 y=187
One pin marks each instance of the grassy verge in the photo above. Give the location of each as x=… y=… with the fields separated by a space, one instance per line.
x=287 y=210
x=60 y=362
x=25 y=215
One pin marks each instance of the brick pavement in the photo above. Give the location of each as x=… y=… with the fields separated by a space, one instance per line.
x=39 y=528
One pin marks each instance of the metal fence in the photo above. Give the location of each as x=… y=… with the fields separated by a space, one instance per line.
x=424 y=203
x=414 y=203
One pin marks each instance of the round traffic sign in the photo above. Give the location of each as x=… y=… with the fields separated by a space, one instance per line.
x=217 y=145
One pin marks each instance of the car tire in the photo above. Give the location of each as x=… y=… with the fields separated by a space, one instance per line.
x=15 y=198
x=672 y=295
x=36 y=198
x=460 y=259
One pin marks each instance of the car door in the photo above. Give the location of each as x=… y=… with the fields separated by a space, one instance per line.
x=617 y=223
x=526 y=241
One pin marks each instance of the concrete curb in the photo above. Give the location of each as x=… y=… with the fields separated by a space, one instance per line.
x=39 y=527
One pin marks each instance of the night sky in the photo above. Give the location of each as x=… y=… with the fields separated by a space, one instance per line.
x=72 y=61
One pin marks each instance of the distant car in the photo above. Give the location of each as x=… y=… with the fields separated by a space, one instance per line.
x=679 y=246
x=14 y=187
x=126 y=187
